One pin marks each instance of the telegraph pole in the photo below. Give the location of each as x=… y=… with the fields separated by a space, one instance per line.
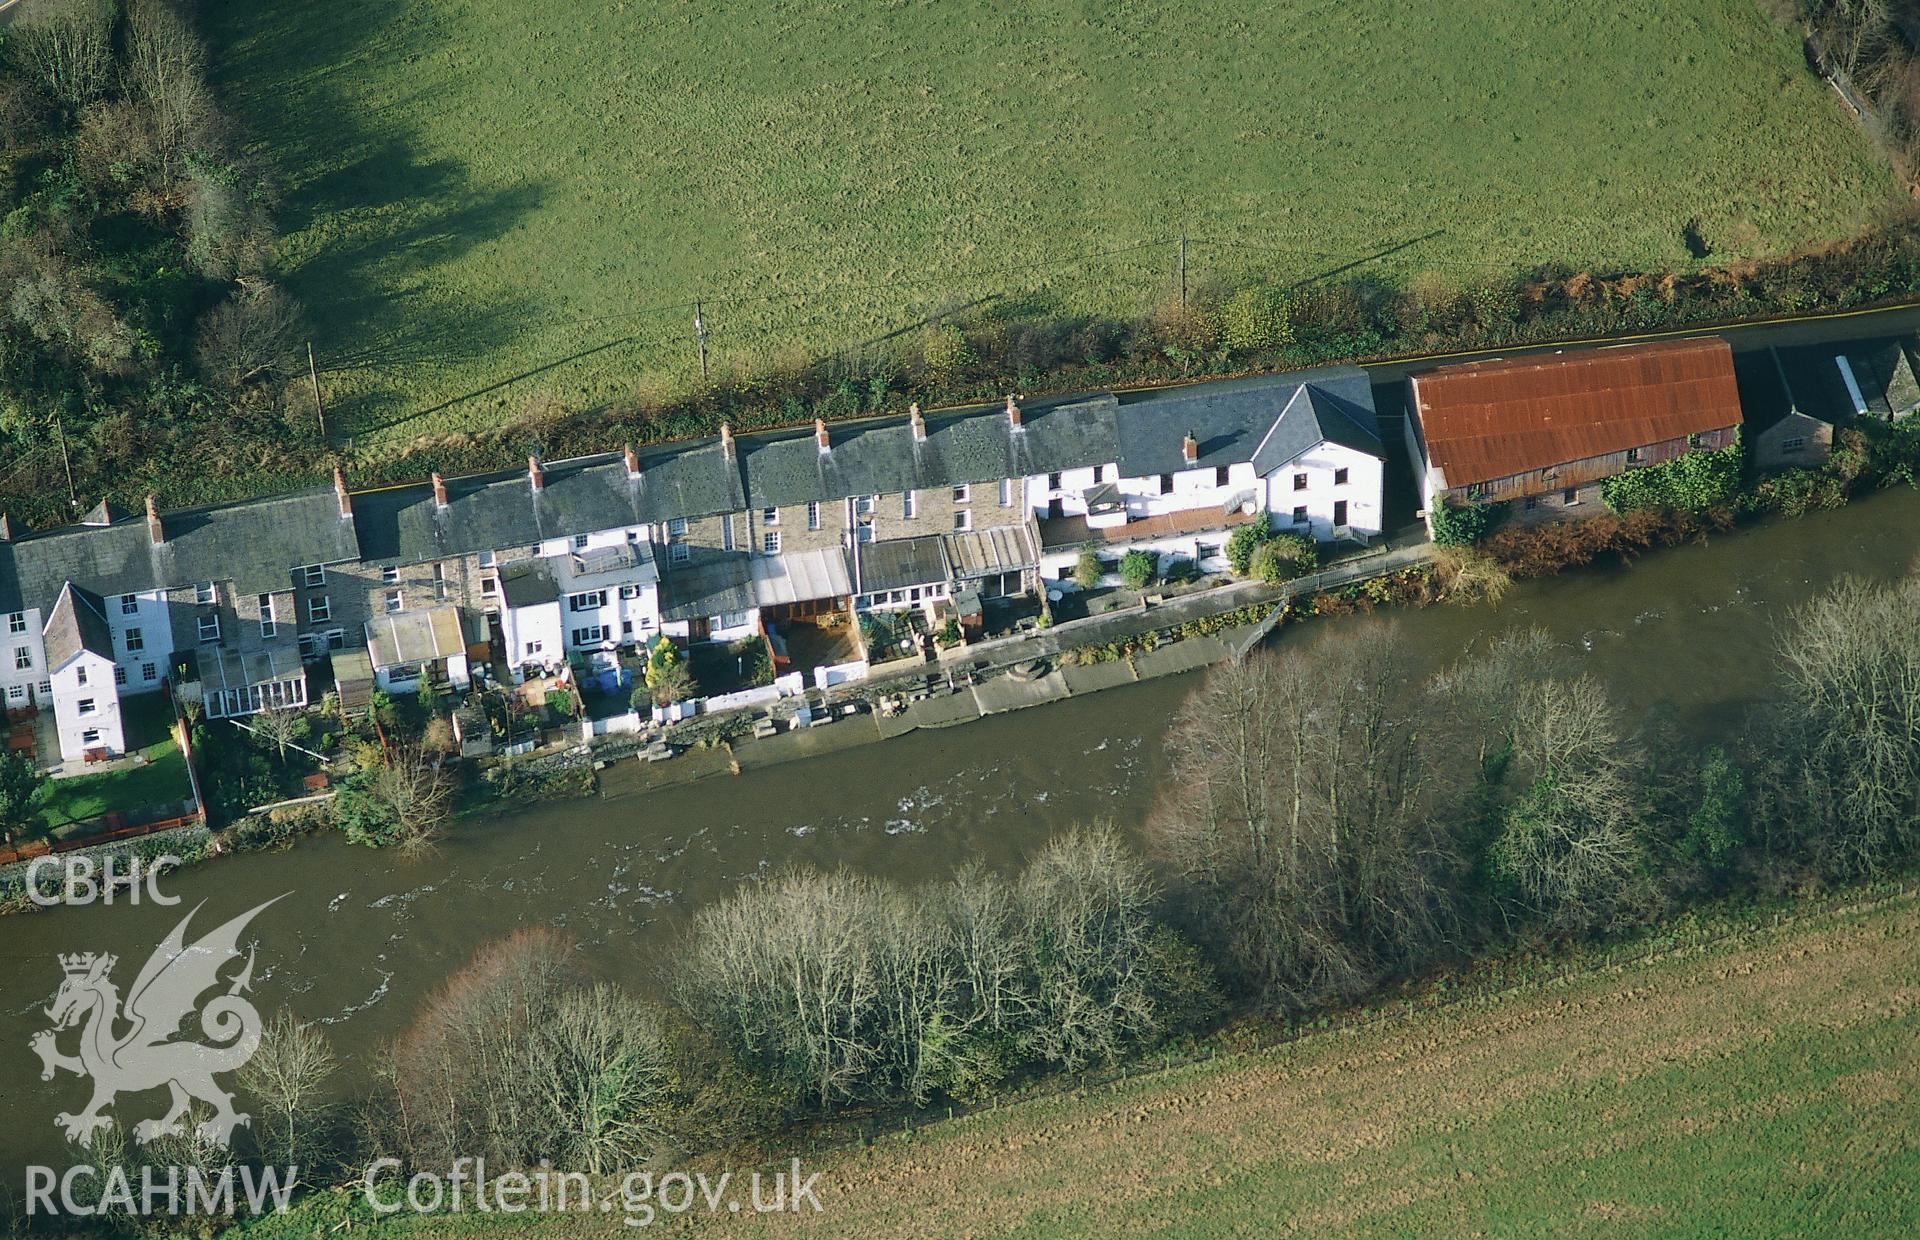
x=59 y=428
x=700 y=333
x=319 y=409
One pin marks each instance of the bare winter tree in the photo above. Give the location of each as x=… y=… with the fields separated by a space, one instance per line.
x=1303 y=820
x=288 y=1074
x=68 y=46
x=1572 y=840
x=166 y=72
x=279 y=726
x=252 y=337
x=1846 y=775
x=602 y=1058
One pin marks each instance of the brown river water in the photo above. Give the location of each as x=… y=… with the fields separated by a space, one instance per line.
x=362 y=937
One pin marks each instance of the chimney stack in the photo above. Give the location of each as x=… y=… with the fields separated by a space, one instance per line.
x=340 y=494
x=535 y=479
x=1190 y=448
x=918 y=423
x=633 y=464
x=6 y=528
x=1013 y=415
x=154 y=531
x=820 y=435
x=439 y=491
x=726 y=441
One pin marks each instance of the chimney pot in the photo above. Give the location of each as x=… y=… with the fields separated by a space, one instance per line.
x=917 y=422
x=154 y=530
x=726 y=441
x=633 y=463
x=820 y=435
x=535 y=478
x=1013 y=414
x=1190 y=448
x=439 y=491
x=340 y=494
x=6 y=528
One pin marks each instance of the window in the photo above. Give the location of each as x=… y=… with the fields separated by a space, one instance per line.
x=136 y=641
x=16 y=693
x=863 y=505
x=336 y=639
x=1573 y=495
x=769 y=516
x=489 y=585
x=726 y=532
x=80 y=674
x=129 y=604
x=677 y=528
x=533 y=648
x=313 y=575
x=1793 y=445
x=486 y=559
x=394 y=602
x=149 y=672
x=962 y=493
x=209 y=628
x=680 y=553
x=22 y=658
x=1166 y=484
x=731 y=620
x=267 y=626
x=319 y=608
x=591 y=635
x=205 y=593
x=962 y=521
x=1053 y=482
x=1633 y=455
x=579 y=542
x=908 y=505
x=590 y=600
x=1299 y=482
x=1340 y=477
x=629 y=592
x=90 y=737
x=17 y=622
x=119 y=674
x=1006 y=492
x=1300 y=514
x=1220 y=474
x=813 y=514
x=1533 y=502
x=1099 y=472
x=770 y=542
x=86 y=706
x=390 y=575
x=46 y=688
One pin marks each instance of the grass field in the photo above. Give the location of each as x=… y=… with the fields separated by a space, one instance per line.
x=1763 y=1084
x=490 y=202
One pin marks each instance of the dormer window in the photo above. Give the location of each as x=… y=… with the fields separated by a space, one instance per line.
x=313 y=575
x=205 y=593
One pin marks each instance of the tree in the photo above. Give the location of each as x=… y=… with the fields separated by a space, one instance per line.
x=280 y=727
x=1282 y=557
x=20 y=781
x=668 y=678
x=1469 y=575
x=1715 y=829
x=287 y=1073
x=1242 y=542
x=68 y=45
x=1137 y=568
x=1087 y=569
x=1312 y=843
x=252 y=337
x=165 y=69
x=403 y=800
x=1457 y=525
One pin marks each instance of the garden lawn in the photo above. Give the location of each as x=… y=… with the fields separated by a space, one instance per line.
x=490 y=203
x=163 y=779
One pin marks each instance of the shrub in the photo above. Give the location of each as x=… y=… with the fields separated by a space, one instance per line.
x=1463 y=525
x=1137 y=568
x=1241 y=543
x=1692 y=480
x=1087 y=570
x=1256 y=319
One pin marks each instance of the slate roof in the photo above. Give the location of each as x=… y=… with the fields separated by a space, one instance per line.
x=1481 y=421
x=1231 y=419
x=255 y=544
x=896 y=563
x=527 y=583
x=696 y=591
x=78 y=622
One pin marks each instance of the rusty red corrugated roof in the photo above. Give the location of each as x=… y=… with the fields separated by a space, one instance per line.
x=1486 y=420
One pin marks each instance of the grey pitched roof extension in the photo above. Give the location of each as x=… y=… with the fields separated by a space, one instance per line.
x=696 y=591
x=1235 y=419
x=897 y=563
x=78 y=622
x=527 y=583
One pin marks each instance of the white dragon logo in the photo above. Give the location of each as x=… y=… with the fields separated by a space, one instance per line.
x=144 y=1057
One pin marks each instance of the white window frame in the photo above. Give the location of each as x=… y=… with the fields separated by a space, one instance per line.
x=770 y=543
x=676 y=527
x=813 y=514
x=129 y=604
x=629 y=592
x=149 y=672
x=769 y=516
x=587 y=600
x=206 y=592
x=390 y=575
x=87 y=706
x=962 y=521
x=1006 y=492
x=268 y=625
x=963 y=493
x=679 y=553
x=208 y=627
x=135 y=640
x=394 y=602
x=314 y=575
x=319 y=609
x=23 y=658
x=17 y=622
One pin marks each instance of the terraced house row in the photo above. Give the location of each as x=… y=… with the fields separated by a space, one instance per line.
x=789 y=534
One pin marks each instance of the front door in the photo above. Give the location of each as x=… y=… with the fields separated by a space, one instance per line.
x=1340 y=512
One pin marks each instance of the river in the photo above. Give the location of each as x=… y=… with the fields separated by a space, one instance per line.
x=362 y=937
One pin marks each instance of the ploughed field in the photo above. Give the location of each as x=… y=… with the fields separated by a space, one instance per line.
x=492 y=203
x=1762 y=1083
